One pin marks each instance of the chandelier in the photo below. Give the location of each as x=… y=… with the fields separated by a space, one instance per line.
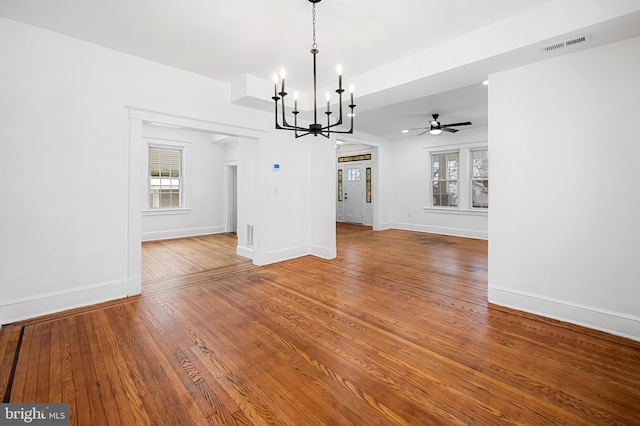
x=315 y=128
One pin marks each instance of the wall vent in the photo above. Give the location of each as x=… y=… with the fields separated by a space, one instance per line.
x=250 y=235
x=565 y=43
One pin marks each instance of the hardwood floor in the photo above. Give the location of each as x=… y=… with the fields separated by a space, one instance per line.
x=396 y=330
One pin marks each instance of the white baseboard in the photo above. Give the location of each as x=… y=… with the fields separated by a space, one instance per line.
x=244 y=251
x=49 y=303
x=455 y=232
x=280 y=255
x=181 y=233
x=294 y=252
x=287 y=254
x=323 y=252
x=617 y=323
x=382 y=226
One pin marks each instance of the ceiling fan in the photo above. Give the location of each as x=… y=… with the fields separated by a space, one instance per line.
x=435 y=128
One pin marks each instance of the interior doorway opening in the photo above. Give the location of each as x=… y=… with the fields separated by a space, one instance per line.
x=356 y=179
x=138 y=175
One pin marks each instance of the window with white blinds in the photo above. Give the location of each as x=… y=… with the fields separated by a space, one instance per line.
x=165 y=178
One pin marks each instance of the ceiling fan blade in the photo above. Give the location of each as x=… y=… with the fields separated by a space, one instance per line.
x=446 y=129
x=419 y=128
x=422 y=133
x=466 y=123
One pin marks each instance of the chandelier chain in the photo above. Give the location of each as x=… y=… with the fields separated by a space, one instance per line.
x=314 y=46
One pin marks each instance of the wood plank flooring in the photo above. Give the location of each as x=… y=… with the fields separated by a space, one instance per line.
x=396 y=330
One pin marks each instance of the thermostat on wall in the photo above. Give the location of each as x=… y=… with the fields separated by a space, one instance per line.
x=276 y=167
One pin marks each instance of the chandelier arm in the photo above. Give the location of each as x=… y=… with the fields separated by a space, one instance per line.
x=275 y=98
x=328 y=127
x=343 y=132
x=339 y=92
x=350 y=129
x=291 y=128
x=339 y=120
x=285 y=125
x=337 y=123
x=284 y=120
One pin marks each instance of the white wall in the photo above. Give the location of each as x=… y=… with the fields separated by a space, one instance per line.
x=204 y=186
x=406 y=167
x=564 y=224
x=323 y=192
x=295 y=203
x=65 y=129
x=71 y=228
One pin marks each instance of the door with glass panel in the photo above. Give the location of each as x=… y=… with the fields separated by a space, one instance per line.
x=354 y=193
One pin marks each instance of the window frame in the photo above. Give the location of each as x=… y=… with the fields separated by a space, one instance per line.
x=432 y=180
x=184 y=148
x=464 y=178
x=354 y=177
x=473 y=179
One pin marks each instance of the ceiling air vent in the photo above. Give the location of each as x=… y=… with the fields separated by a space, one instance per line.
x=565 y=43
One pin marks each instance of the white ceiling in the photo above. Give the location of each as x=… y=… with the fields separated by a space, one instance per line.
x=224 y=39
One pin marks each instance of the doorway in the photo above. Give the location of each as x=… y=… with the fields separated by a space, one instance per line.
x=357 y=196
x=354 y=193
x=232 y=198
x=137 y=120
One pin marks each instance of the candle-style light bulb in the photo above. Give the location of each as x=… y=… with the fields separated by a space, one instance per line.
x=351 y=89
x=296 y=95
x=328 y=98
x=283 y=74
x=275 y=85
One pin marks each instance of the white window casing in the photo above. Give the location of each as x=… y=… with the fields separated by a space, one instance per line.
x=165 y=182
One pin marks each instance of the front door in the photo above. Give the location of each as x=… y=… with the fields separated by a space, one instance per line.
x=354 y=193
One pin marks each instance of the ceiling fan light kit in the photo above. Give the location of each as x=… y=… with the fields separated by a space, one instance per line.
x=435 y=128
x=315 y=128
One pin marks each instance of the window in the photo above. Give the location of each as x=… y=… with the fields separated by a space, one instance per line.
x=165 y=178
x=353 y=175
x=480 y=179
x=444 y=168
